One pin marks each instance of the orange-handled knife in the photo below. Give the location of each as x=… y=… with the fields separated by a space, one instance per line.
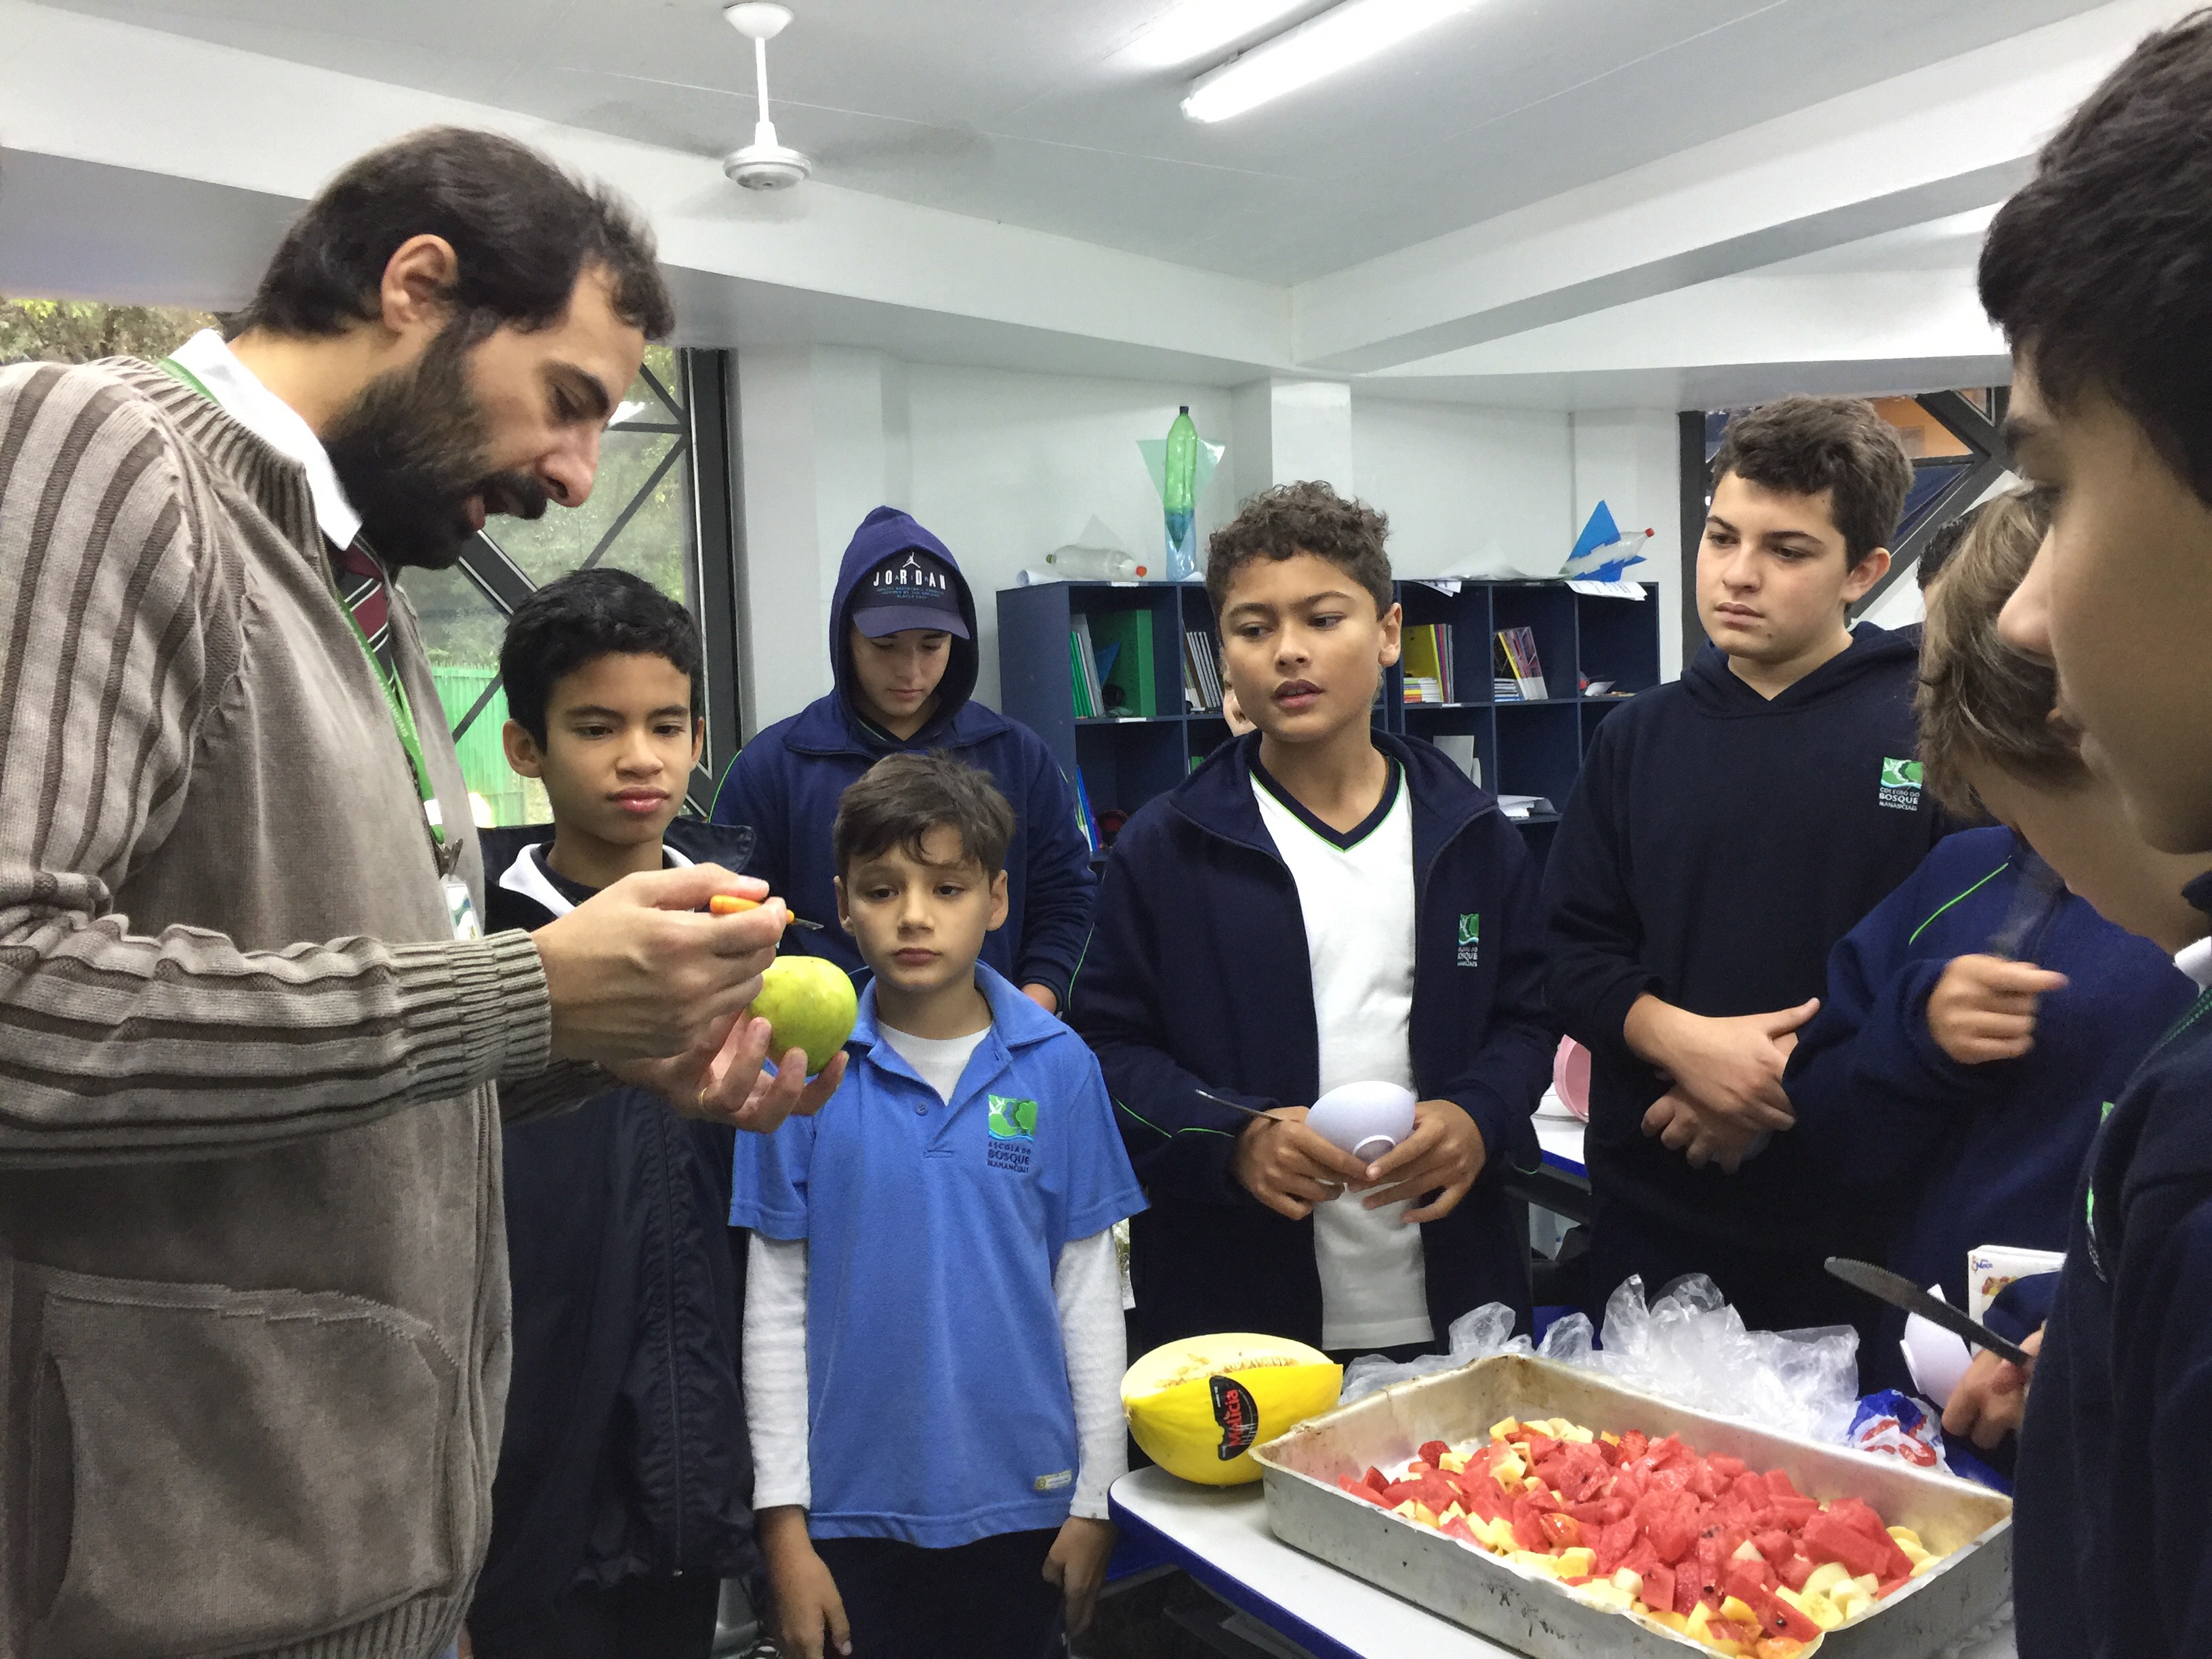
x=729 y=904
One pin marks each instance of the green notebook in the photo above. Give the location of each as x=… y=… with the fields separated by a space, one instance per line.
x=1133 y=671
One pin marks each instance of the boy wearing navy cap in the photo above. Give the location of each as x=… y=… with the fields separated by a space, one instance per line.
x=933 y=1344
x=903 y=644
x=2100 y=272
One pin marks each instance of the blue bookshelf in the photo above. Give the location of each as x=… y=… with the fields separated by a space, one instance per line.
x=1524 y=747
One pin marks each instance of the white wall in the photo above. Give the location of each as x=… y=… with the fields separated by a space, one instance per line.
x=1472 y=492
x=1631 y=459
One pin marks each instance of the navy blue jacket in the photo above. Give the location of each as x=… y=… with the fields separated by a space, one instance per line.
x=1717 y=845
x=2111 y=1536
x=1198 y=977
x=786 y=782
x=625 y=1453
x=1961 y=1156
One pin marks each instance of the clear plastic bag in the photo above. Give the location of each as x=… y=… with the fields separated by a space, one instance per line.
x=1690 y=1346
x=1475 y=1334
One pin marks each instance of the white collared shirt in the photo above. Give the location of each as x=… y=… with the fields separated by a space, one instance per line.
x=277 y=423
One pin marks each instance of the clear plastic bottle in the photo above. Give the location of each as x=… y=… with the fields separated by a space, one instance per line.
x=1094 y=564
x=1179 y=491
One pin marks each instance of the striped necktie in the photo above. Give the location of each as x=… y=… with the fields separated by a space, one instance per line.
x=364 y=589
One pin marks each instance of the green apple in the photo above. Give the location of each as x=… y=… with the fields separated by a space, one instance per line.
x=808 y=1003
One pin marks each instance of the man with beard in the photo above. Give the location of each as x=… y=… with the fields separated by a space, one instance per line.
x=253 y=1047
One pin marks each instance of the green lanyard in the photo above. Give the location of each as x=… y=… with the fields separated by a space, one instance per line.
x=395 y=692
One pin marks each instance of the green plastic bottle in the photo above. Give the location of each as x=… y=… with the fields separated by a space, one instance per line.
x=1179 y=493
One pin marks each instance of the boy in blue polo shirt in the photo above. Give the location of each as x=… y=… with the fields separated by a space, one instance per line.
x=934 y=1338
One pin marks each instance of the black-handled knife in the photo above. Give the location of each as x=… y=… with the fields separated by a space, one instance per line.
x=1900 y=1292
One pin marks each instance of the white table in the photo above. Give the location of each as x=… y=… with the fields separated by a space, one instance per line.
x=1219 y=1536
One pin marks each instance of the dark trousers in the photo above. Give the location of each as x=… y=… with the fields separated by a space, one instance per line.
x=1773 y=1289
x=637 y=1619
x=988 y=1600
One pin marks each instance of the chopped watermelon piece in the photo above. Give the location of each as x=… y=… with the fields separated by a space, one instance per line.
x=1432 y=1453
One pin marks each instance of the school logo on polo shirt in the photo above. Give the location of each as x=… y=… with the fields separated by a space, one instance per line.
x=1470 y=940
x=1900 y=784
x=1013 y=1132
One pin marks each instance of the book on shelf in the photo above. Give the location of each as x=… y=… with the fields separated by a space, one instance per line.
x=1089 y=694
x=1201 y=670
x=1123 y=639
x=1427 y=656
x=1085 y=819
x=1517 y=670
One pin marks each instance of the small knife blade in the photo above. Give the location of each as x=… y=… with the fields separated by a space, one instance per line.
x=1900 y=1292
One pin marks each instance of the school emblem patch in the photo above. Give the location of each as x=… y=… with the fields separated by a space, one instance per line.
x=1900 y=784
x=1470 y=940
x=1013 y=1132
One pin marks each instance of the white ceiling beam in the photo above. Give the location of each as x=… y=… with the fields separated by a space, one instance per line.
x=85 y=90
x=1955 y=136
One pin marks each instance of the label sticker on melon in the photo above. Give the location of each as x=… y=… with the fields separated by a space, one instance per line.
x=1238 y=1413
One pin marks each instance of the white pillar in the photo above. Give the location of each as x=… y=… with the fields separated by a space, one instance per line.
x=1285 y=431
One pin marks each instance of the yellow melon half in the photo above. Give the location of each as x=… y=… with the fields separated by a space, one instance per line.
x=1200 y=1406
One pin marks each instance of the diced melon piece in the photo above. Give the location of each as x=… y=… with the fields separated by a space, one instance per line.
x=1509 y=1471
x=1452 y=1463
x=1747 y=1551
x=1700 y=1616
x=1673 y=1621
x=1739 y=1611
x=1504 y=1426
x=1926 y=1563
x=1610 y=1439
x=1577 y=1563
x=1454 y=1513
x=1604 y=1593
x=1826 y=1577
x=1818 y=1608
x=1405 y=1508
x=1422 y=1513
x=1868 y=1582
x=1850 y=1600
x=1630 y=1580
x=1906 y=1536
x=1535 y=1561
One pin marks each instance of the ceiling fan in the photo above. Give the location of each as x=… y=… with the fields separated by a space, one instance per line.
x=766 y=163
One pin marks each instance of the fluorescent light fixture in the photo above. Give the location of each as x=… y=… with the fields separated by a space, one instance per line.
x=1343 y=35
x=1198 y=27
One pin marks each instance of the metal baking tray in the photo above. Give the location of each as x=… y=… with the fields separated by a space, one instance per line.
x=1967 y=1525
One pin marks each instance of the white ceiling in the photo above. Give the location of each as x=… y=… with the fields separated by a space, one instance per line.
x=1033 y=112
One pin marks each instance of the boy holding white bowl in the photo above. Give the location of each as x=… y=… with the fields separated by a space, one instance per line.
x=1319 y=904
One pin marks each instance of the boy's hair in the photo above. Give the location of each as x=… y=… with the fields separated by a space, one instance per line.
x=1941 y=546
x=1801 y=446
x=1302 y=518
x=1980 y=702
x=902 y=798
x=580 y=617
x=2100 y=268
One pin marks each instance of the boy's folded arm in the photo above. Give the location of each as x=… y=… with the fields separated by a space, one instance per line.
x=1087 y=1285
x=775 y=1371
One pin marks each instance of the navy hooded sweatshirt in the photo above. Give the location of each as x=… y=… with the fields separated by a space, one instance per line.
x=2112 y=1531
x=1717 y=845
x=1963 y=1156
x=1198 y=977
x=625 y=1454
x=786 y=782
